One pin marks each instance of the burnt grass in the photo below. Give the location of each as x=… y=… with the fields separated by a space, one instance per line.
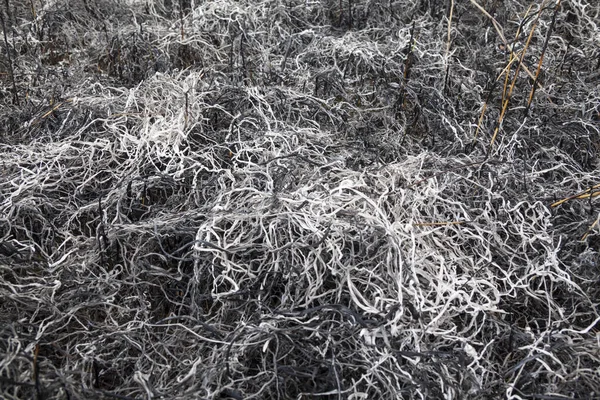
x=341 y=199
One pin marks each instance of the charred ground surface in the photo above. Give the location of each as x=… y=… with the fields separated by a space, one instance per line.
x=280 y=199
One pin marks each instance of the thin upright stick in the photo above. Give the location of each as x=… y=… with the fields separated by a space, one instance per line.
x=10 y=62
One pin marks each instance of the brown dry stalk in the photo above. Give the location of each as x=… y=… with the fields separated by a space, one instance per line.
x=506 y=71
x=539 y=67
x=506 y=99
x=441 y=223
x=494 y=22
x=513 y=56
x=590 y=229
x=586 y=194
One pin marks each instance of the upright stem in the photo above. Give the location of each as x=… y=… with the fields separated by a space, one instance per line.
x=10 y=63
x=181 y=19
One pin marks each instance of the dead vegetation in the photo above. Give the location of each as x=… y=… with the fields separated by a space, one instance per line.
x=275 y=199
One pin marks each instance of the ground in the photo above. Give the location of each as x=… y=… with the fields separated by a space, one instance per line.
x=343 y=199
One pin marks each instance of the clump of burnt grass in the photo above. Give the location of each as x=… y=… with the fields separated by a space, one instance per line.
x=267 y=199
